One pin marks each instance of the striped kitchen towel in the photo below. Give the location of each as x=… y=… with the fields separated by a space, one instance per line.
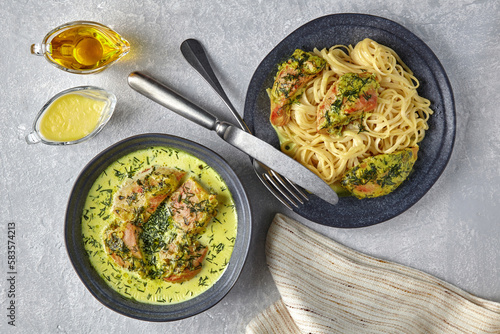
x=326 y=287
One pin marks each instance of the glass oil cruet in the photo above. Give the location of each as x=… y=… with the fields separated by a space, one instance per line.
x=82 y=47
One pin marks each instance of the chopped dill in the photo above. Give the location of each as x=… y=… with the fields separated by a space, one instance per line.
x=202 y=281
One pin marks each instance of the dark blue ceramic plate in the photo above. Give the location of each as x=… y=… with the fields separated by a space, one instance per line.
x=96 y=285
x=435 y=149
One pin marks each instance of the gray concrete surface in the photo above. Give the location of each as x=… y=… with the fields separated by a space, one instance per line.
x=453 y=232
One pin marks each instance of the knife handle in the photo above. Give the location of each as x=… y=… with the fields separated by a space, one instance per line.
x=161 y=94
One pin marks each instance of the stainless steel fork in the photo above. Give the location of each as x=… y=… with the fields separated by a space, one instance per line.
x=282 y=188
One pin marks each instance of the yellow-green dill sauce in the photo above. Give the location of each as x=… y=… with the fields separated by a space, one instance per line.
x=219 y=236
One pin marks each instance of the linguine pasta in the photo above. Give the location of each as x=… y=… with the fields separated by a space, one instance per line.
x=398 y=122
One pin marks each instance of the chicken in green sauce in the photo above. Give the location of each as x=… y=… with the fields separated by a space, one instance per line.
x=290 y=81
x=349 y=99
x=158 y=222
x=381 y=174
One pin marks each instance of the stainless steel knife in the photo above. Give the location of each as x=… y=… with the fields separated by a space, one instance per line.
x=251 y=145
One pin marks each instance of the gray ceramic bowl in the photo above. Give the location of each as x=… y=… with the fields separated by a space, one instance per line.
x=435 y=150
x=96 y=285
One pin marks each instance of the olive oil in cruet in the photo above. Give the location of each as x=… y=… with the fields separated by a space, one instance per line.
x=82 y=47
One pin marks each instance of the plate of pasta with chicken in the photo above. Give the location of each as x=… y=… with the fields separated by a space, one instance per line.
x=364 y=104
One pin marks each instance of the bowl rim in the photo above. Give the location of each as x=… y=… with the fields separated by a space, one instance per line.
x=96 y=284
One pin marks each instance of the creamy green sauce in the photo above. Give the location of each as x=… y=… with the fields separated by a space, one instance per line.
x=219 y=236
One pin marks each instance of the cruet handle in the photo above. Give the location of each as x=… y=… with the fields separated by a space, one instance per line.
x=37 y=49
x=33 y=138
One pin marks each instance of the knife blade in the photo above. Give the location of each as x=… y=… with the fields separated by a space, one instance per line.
x=251 y=145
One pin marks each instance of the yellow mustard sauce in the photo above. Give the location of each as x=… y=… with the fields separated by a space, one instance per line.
x=219 y=236
x=71 y=117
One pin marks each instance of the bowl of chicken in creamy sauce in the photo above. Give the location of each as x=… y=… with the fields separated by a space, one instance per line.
x=158 y=227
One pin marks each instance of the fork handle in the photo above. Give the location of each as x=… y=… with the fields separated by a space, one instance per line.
x=193 y=52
